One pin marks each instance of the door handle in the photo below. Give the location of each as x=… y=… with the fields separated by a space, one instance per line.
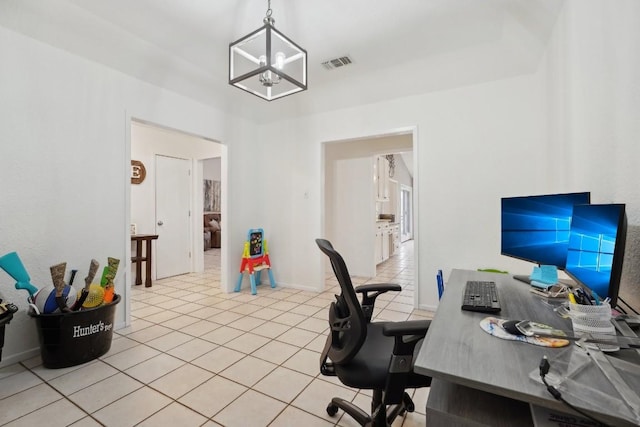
x=160 y=223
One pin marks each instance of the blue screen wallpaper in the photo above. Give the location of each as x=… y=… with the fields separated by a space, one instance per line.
x=594 y=230
x=536 y=228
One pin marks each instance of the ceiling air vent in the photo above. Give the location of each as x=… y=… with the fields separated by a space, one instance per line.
x=340 y=62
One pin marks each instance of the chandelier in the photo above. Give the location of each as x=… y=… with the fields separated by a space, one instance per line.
x=267 y=63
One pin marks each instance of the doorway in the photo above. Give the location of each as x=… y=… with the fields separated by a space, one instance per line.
x=357 y=152
x=149 y=142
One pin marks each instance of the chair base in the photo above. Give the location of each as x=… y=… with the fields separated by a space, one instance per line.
x=382 y=416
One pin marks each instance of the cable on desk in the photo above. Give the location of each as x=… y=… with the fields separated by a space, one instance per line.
x=544 y=370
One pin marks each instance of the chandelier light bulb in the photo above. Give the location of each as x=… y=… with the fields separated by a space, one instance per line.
x=280 y=57
x=267 y=79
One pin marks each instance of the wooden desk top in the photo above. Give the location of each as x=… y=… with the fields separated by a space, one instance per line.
x=457 y=350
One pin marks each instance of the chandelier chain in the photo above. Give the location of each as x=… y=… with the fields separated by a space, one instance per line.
x=269 y=11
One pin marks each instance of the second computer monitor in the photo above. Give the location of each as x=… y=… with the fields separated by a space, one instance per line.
x=596 y=248
x=536 y=228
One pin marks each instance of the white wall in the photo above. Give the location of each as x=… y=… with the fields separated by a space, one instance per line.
x=65 y=166
x=212 y=168
x=402 y=174
x=475 y=145
x=593 y=66
x=594 y=97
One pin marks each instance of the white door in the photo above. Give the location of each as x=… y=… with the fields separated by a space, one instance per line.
x=406 y=217
x=173 y=195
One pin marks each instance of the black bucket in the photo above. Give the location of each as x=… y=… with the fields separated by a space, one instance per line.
x=69 y=339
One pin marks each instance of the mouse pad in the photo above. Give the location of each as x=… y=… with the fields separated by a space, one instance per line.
x=493 y=326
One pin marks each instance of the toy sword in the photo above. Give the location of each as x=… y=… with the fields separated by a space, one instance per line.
x=57 y=275
x=93 y=269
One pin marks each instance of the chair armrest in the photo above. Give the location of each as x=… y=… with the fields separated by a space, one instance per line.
x=407 y=334
x=369 y=301
x=381 y=287
x=409 y=327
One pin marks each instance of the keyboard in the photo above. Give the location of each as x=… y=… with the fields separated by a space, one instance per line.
x=481 y=296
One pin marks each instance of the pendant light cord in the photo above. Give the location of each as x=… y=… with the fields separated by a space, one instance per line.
x=269 y=11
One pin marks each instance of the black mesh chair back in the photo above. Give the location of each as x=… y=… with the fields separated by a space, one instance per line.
x=347 y=320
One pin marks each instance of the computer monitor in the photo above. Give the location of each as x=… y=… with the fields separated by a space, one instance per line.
x=596 y=248
x=536 y=228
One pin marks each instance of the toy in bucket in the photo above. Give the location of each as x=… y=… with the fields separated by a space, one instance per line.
x=108 y=276
x=84 y=293
x=12 y=265
x=51 y=298
x=96 y=294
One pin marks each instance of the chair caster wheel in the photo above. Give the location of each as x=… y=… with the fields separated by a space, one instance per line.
x=408 y=403
x=332 y=409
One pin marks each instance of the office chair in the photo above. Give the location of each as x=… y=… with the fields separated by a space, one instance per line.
x=369 y=355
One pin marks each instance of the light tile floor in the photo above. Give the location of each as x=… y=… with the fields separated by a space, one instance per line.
x=195 y=356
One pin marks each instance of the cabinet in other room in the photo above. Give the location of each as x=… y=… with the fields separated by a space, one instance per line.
x=383 y=241
x=381 y=178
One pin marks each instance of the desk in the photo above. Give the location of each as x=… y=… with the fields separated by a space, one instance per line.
x=138 y=259
x=479 y=379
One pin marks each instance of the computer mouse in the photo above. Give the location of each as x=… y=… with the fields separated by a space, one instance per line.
x=510 y=326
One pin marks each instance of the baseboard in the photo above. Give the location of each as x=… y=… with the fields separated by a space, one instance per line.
x=290 y=286
x=425 y=307
x=19 y=357
x=120 y=325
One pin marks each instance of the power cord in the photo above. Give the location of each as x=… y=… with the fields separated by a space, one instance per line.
x=544 y=370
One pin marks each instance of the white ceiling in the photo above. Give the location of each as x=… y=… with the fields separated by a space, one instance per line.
x=399 y=47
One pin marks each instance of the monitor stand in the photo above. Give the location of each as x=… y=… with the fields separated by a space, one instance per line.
x=523 y=278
